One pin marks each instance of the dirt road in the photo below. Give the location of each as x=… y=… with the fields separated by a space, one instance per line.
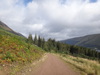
x=53 y=66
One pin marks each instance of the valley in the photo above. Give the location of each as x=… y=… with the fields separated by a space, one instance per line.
x=49 y=37
x=35 y=56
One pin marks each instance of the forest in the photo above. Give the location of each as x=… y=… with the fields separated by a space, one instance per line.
x=51 y=45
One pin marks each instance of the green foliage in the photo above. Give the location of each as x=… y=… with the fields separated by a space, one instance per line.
x=30 y=39
x=10 y=57
x=15 y=48
x=55 y=46
x=35 y=40
x=39 y=42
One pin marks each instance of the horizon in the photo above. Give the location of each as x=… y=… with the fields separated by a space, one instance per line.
x=57 y=19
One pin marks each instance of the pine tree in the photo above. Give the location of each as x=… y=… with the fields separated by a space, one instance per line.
x=43 y=42
x=35 y=40
x=59 y=48
x=30 y=39
x=39 y=41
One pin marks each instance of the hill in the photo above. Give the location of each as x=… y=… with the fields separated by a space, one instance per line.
x=5 y=27
x=91 y=41
x=15 y=51
x=15 y=48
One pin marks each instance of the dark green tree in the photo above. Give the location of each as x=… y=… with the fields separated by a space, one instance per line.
x=39 y=41
x=35 y=40
x=30 y=39
x=59 y=48
x=43 y=43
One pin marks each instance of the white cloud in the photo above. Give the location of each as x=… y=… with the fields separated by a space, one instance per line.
x=52 y=18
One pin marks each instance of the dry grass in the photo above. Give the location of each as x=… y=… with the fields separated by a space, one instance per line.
x=24 y=69
x=86 y=66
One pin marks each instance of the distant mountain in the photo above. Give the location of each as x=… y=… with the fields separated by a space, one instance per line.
x=91 y=41
x=5 y=27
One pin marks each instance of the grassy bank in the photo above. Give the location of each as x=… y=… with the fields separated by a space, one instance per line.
x=85 y=66
x=15 y=51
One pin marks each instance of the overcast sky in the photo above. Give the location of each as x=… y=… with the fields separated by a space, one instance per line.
x=59 y=19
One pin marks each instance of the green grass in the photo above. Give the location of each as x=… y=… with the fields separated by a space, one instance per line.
x=15 y=51
x=14 y=48
x=85 y=66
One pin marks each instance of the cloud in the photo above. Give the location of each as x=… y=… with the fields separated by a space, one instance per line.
x=59 y=19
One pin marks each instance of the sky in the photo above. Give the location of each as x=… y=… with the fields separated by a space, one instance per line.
x=57 y=19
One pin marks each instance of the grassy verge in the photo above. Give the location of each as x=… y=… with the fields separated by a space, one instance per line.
x=85 y=66
x=24 y=69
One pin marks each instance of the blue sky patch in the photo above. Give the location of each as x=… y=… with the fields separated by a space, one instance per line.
x=93 y=1
x=63 y=1
x=27 y=1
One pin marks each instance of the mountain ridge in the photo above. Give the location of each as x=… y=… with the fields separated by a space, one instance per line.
x=91 y=41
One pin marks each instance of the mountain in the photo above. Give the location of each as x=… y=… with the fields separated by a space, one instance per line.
x=90 y=41
x=5 y=27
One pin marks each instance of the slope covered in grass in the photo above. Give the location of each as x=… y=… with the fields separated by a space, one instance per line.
x=85 y=66
x=14 y=48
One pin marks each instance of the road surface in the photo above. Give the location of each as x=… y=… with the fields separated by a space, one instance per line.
x=53 y=66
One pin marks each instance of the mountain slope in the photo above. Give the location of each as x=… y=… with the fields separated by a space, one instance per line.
x=91 y=41
x=15 y=48
x=5 y=27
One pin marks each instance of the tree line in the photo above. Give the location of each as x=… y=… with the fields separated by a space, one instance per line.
x=55 y=46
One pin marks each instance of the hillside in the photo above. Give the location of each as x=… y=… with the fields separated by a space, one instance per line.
x=5 y=27
x=15 y=51
x=15 y=48
x=91 y=41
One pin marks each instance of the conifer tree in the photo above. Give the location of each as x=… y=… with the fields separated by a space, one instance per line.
x=35 y=40
x=30 y=39
x=39 y=41
x=43 y=42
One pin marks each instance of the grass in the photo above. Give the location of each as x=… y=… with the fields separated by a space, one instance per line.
x=85 y=66
x=15 y=49
x=25 y=68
